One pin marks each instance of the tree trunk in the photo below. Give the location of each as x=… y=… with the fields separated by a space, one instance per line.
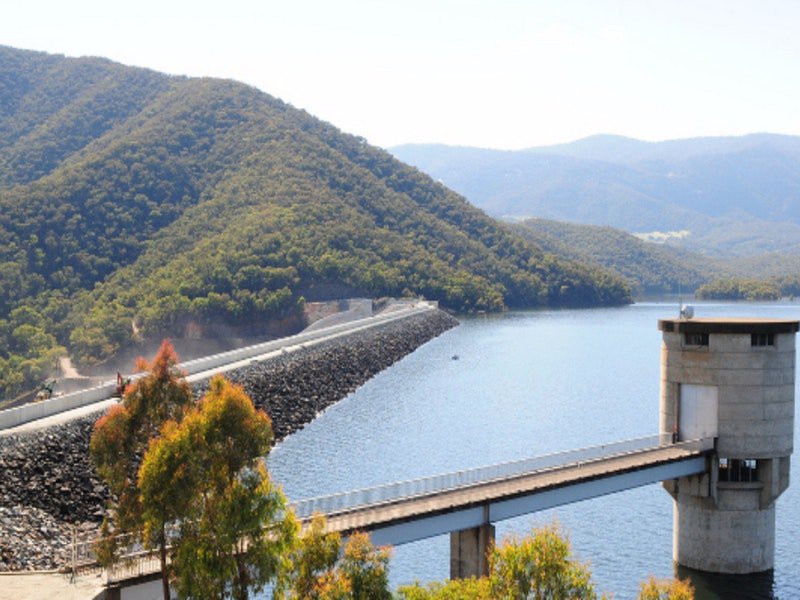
x=240 y=584
x=164 y=572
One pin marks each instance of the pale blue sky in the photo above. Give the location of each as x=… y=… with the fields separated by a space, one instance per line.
x=496 y=73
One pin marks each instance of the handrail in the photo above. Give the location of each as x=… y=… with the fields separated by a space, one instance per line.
x=393 y=492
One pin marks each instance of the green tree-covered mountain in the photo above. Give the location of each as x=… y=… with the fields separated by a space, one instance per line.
x=134 y=203
x=727 y=196
x=649 y=268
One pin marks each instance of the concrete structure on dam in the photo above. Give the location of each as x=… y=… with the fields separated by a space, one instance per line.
x=733 y=380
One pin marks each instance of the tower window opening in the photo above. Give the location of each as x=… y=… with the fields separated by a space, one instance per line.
x=695 y=339
x=762 y=339
x=739 y=470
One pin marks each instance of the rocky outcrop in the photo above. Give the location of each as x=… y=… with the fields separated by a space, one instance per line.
x=47 y=483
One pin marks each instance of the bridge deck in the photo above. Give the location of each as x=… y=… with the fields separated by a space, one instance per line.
x=497 y=493
x=412 y=510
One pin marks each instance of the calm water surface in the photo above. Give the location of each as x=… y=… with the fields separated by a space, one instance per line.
x=525 y=384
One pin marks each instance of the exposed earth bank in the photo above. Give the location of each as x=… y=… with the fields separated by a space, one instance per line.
x=48 y=487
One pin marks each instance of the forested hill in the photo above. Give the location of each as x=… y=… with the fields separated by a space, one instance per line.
x=134 y=203
x=649 y=268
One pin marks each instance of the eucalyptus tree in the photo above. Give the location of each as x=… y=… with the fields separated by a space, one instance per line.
x=120 y=438
x=205 y=476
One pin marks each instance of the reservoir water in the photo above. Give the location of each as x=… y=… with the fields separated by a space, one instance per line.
x=526 y=384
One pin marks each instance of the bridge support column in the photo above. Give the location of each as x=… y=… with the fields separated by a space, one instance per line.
x=469 y=551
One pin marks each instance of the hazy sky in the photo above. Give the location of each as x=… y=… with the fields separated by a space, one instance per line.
x=496 y=73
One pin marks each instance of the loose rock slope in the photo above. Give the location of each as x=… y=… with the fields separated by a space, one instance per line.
x=48 y=486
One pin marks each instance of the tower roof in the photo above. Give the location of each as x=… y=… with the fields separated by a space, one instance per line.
x=729 y=325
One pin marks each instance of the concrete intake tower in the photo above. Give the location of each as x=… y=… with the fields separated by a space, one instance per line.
x=733 y=380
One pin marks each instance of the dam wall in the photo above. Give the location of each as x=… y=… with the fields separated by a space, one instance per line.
x=38 y=410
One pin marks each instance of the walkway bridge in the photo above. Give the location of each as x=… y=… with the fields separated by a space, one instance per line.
x=467 y=503
x=413 y=510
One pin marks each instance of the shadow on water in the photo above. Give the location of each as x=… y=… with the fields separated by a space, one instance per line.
x=716 y=586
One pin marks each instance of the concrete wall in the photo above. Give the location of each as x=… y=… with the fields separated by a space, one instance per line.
x=756 y=390
x=38 y=410
x=735 y=536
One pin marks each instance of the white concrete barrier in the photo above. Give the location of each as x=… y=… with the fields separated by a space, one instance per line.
x=207 y=365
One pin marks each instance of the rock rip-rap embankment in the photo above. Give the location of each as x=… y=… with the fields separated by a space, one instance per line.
x=48 y=488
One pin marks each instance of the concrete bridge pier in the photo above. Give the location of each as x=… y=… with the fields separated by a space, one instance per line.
x=469 y=550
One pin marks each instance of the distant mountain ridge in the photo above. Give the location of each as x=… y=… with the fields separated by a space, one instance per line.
x=135 y=205
x=735 y=196
x=626 y=150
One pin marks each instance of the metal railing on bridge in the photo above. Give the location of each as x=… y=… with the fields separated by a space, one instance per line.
x=393 y=492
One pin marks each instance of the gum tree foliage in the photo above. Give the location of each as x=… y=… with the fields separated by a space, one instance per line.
x=537 y=567
x=204 y=476
x=119 y=440
x=665 y=589
x=319 y=569
x=452 y=589
x=365 y=569
x=310 y=561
